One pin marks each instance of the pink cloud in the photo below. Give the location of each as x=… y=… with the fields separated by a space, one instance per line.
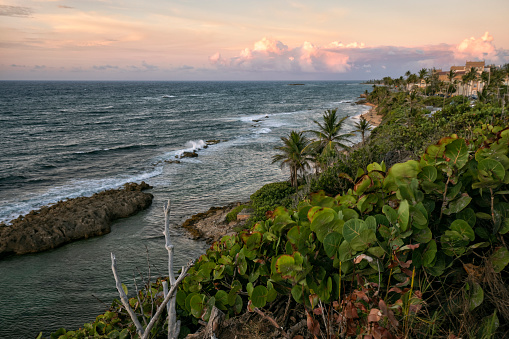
x=337 y=57
x=273 y=55
x=481 y=48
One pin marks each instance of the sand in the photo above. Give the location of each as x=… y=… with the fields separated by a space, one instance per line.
x=371 y=116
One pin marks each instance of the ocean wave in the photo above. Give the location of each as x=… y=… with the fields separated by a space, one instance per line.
x=166 y=96
x=10 y=210
x=191 y=146
x=116 y=149
x=262 y=131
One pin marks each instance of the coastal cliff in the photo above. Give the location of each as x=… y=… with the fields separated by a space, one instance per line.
x=66 y=221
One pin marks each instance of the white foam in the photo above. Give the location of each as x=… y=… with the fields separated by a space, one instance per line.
x=76 y=188
x=191 y=146
x=263 y=131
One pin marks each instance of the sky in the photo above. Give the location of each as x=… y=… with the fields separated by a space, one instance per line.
x=174 y=40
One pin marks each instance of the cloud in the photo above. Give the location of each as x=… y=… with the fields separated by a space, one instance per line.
x=481 y=48
x=271 y=55
x=65 y=7
x=104 y=67
x=149 y=67
x=15 y=11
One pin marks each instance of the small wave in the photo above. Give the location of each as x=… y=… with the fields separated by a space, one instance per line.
x=191 y=146
x=117 y=149
x=263 y=131
x=166 y=96
x=12 y=209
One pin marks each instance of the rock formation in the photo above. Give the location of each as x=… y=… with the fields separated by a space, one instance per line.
x=73 y=219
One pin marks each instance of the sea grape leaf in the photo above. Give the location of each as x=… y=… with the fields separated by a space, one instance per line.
x=404 y=215
x=331 y=243
x=390 y=213
x=463 y=228
x=322 y=217
x=476 y=295
x=489 y=168
x=197 y=303
x=371 y=222
x=364 y=240
x=401 y=173
x=377 y=251
x=500 y=259
x=457 y=153
x=237 y=306
x=468 y=215
x=428 y=256
x=352 y=228
x=428 y=173
x=285 y=265
x=259 y=296
x=458 y=205
x=344 y=251
x=362 y=185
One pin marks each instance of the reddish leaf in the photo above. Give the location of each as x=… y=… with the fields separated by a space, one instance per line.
x=405 y=264
x=388 y=313
x=318 y=311
x=395 y=289
x=412 y=247
x=250 y=307
x=368 y=336
x=404 y=282
x=374 y=315
x=351 y=311
x=298 y=337
x=313 y=325
x=407 y=271
x=361 y=295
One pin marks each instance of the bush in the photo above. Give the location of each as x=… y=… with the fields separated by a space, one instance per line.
x=232 y=216
x=269 y=197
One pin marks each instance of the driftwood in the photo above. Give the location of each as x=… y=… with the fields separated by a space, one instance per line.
x=169 y=295
x=213 y=328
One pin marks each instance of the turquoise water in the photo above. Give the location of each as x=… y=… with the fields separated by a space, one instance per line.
x=67 y=139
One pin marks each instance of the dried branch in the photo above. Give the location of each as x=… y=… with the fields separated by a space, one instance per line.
x=123 y=297
x=166 y=300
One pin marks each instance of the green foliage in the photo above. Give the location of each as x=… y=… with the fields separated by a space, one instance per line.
x=232 y=216
x=269 y=197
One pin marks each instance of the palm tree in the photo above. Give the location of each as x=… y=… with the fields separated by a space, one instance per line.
x=362 y=126
x=422 y=74
x=412 y=101
x=329 y=140
x=293 y=155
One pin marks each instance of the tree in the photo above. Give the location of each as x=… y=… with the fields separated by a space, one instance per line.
x=329 y=139
x=422 y=74
x=293 y=155
x=362 y=126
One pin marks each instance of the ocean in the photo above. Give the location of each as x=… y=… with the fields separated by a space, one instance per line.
x=61 y=140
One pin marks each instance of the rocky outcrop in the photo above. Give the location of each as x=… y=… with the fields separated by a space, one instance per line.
x=73 y=219
x=192 y=154
x=211 y=225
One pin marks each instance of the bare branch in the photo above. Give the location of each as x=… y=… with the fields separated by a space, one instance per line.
x=166 y=299
x=123 y=296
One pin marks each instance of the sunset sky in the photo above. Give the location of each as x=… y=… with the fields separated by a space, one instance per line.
x=245 y=40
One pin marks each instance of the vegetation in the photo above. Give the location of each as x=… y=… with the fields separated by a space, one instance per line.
x=293 y=155
x=232 y=216
x=405 y=236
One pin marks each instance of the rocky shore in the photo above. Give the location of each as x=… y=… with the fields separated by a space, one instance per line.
x=212 y=225
x=73 y=219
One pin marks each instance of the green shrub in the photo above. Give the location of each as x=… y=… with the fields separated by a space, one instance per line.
x=269 y=197
x=232 y=216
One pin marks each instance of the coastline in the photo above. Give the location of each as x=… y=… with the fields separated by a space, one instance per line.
x=372 y=116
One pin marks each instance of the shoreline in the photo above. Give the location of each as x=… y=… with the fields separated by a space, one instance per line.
x=371 y=116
